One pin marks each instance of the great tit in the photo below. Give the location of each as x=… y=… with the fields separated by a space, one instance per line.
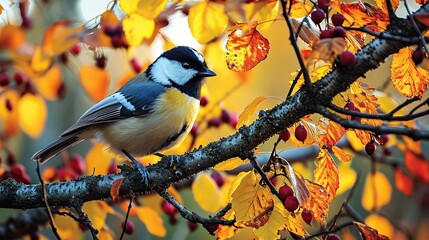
x=152 y=112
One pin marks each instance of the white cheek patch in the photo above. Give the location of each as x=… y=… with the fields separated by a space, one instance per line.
x=198 y=55
x=164 y=71
x=122 y=100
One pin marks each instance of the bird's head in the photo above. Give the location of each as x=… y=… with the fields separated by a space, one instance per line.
x=181 y=67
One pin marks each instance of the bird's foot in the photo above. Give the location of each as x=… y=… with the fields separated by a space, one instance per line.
x=140 y=167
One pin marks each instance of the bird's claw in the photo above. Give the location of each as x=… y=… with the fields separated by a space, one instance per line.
x=140 y=168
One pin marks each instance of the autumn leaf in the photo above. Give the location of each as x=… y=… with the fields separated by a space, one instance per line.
x=341 y=154
x=206 y=192
x=417 y=165
x=333 y=132
x=318 y=202
x=40 y=61
x=361 y=14
x=348 y=177
x=95 y=213
x=230 y=164
x=133 y=30
x=403 y=182
x=299 y=8
x=226 y=232
x=67 y=227
x=377 y=191
x=326 y=49
x=250 y=201
x=382 y=4
x=246 y=47
x=152 y=220
x=423 y=18
x=248 y=111
x=95 y=82
x=33 y=113
x=276 y=222
x=294 y=225
x=9 y=117
x=312 y=132
x=60 y=37
x=149 y=9
x=207 y=20
x=49 y=83
x=98 y=159
x=11 y=37
x=114 y=190
x=326 y=173
x=261 y=11
x=368 y=232
x=298 y=183
x=306 y=33
x=407 y=78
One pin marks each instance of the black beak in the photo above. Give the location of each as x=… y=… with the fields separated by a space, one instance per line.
x=206 y=73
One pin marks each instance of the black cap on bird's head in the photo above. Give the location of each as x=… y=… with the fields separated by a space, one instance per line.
x=182 y=67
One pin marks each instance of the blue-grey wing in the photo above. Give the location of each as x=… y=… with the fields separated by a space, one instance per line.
x=132 y=100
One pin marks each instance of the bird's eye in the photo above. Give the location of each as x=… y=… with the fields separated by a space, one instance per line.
x=186 y=65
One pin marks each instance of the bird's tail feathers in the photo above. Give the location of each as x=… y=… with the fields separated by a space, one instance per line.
x=62 y=143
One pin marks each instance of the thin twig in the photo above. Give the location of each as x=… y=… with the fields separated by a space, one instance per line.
x=421 y=37
x=330 y=231
x=263 y=176
x=45 y=200
x=85 y=221
x=126 y=216
x=294 y=82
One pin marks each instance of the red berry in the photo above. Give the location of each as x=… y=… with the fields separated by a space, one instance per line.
x=204 y=100
x=291 y=203
x=333 y=237
x=172 y=219
x=214 y=122
x=8 y=104
x=112 y=168
x=318 y=16
x=17 y=170
x=417 y=56
x=218 y=178
x=65 y=174
x=351 y=106
x=4 y=80
x=75 y=50
x=168 y=208
x=339 y=31
x=18 y=77
x=100 y=61
x=347 y=59
x=284 y=135
x=63 y=58
x=323 y=4
x=109 y=30
x=337 y=19
x=194 y=130
x=300 y=133
x=225 y=116
x=129 y=227
x=212 y=227
x=326 y=34
x=233 y=121
x=307 y=215
x=136 y=65
x=192 y=226
x=82 y=227
x=285 y=191
x=77 y=164
x=274 y=181
x=370 y=148
x=11 y=159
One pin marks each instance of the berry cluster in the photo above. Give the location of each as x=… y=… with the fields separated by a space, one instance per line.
x=291 y=203
x=225 y=117
x=116 y=34
x=74 y=167
x=300 y=134
x=16 y=170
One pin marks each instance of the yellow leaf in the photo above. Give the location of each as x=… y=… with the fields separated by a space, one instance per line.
x=206 y=192
x=49 y=83
x=98 y=159
x=207 y=20
x=236 y=182
x=294 y=225
x=32 y=112
x=326 y=49
x=95 y=82
x=149 y=9
x=326 y=173
x=230 y=164
x=250 y=200
x=381 y=224
x=95 y=213
x=347 y=177
x=40 y=61
x=407 y=78
x=276 y=222
x=354 y=141
x=245 y=47
x=377 y=191
x=341 y=154
x=262 y=11
x=318 y=202
x=105 y=234
x=10 y=117
x=67 y=227
x=299 y=9
x=226 y=232
x=60 y=37
x=176 y=195
x=134 y=32
x=382 y=4
x=249 y=110
x=151 y=220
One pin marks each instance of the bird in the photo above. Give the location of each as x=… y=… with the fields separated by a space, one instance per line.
x=152 y=112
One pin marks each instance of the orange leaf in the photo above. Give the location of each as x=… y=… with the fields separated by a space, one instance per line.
x=318 y=202
x=11 y=37
x=40 y=61
x=326 y=173
x=382 y=4
x=341 y=154
x=306 y=33
x=417 y=165
x=9 y=118
x=114 y=190
x=361 y=14
x=95 y=213
x=407 y=78
x=326 y=49
x=207 y=20
x=95 y=81
x=246 y=47
x=333 y=132
x=248 y=111
x=299 y=9
x=421 y=2
x=403 y=182
x=49 y=83
x=60 y=37
x=368 y=232
x=32 y=112
x=98 y=159
x=151 y=220
x=377 y=191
